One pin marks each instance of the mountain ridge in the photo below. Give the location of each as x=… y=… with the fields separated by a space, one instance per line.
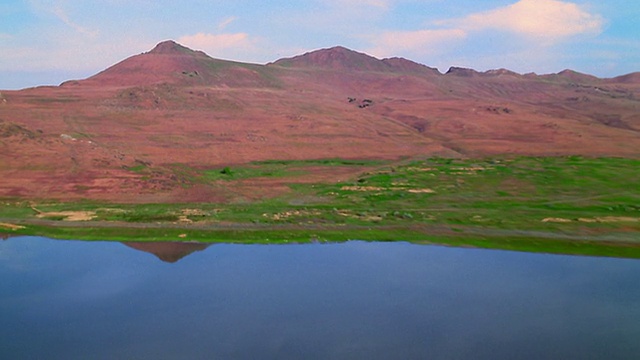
x=144 y=128
x=172 y=62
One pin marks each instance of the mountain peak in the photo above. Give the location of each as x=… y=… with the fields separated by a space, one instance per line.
x=460 y=71
x=335 y=58
x=340 y=58
x=500 y=72
x=170 y=47
x=571 y=75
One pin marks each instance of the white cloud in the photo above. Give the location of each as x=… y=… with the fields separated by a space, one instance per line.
x=548 y=20
x=56 y=9
x=415 y=43
x=226 y=22
x=524 y=36
x=62 y=15
x=218 y=44
x=383 y=4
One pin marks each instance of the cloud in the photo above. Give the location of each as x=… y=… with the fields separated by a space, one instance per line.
x=226 y=22
x=415 y=43
x=217 y=44
x=62 y=15
x=549 y=20
x=523 y=35
x=56 y=8
x=382 y=4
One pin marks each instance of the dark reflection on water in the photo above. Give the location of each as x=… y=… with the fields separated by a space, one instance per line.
x=167 y=251
x=82 y=300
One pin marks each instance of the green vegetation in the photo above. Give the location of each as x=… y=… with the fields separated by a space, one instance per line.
x=551 y=204
x=138 y=168
x=274 y=168
x=245 y=172
x=320 y=162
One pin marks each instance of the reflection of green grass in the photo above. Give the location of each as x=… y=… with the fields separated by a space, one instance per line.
x=290 y=235
x=490 y=202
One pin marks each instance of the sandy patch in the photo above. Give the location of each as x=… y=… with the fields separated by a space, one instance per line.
x=185 y=213
x=11 y=227
x=349 y=214
x=362 y=188
x=289 y=214
x=421 y=191
x=69 y=215
x=376 y=188
x=556 y=220
x=421 y=169
x=610 y=219
x=603 y=219
x=112 y=210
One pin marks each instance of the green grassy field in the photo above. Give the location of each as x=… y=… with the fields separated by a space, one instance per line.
x=551 y=204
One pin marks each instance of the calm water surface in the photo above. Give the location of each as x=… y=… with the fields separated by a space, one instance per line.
x=356 y=300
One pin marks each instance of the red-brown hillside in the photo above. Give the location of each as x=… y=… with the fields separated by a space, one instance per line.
x=342 y=59
x=173 y=105
x=172 y=63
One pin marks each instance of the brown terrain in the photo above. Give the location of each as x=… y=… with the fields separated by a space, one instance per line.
x=173 y=105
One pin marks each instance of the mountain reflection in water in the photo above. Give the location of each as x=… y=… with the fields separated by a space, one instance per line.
x=169 y=252
x=354 y=300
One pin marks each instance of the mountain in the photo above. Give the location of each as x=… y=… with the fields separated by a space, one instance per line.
x=571 y=75
x=335 y=58
x=173 y=63
x=463 y=72
x=633 y=78
x=146 y=128
x=342 y=59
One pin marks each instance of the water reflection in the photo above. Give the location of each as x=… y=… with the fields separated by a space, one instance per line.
x=169 y=252
x=98 y=300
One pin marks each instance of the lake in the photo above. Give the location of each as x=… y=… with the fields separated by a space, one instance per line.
x=354 y=300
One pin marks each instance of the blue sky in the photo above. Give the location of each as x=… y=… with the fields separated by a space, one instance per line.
x=50 y=41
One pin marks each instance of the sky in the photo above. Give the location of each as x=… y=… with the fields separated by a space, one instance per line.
x=45 y=42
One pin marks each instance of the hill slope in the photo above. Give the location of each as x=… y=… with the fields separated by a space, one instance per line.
x=121 y=133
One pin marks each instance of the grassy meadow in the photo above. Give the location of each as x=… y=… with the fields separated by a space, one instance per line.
x=547 y=204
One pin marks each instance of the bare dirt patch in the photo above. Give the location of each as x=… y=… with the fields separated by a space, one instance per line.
x=185 y=213
x=69 y=215
x=289 y=214
x=612 y=219
x=11 y=227
x=421 y=191
x=377 y=188
x=601 y=219
x=362 y=188
x=556 y=220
